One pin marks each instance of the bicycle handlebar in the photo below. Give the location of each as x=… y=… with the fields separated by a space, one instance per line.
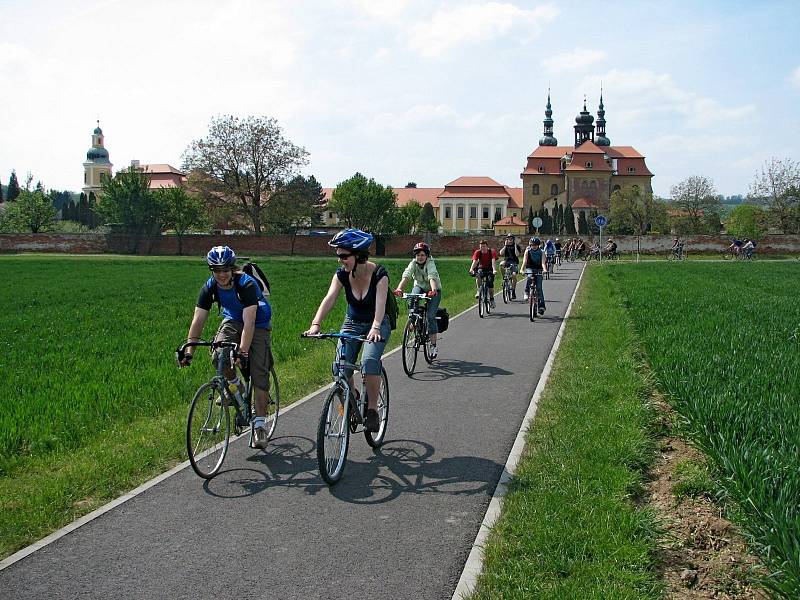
x=180 y=351
x=336 y=335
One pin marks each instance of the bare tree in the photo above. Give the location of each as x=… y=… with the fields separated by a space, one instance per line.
x=775 y=186
x=695 y=197
x=242 y=161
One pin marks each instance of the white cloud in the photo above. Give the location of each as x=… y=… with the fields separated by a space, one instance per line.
x=381 y=10
x=450 y=28
x=794 y=78
x=575 y=60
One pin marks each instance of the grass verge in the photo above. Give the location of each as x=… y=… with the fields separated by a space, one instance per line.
x=571 y=525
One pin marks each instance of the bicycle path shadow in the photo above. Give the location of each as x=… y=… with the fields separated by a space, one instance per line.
x=443 y=369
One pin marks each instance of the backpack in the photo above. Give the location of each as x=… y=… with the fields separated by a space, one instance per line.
x=391 y=309
x=251 y=269
x=442 y=319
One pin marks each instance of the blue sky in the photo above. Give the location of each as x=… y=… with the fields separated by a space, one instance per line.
x=402 y=90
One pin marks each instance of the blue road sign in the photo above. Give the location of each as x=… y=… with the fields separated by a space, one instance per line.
x=600 y=221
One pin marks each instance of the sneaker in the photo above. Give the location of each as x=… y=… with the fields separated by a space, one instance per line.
x=433 y=352
x=491 y=303
x=525 y=297
x=477 y=294
x=372 y=421
x=514 y=295
x=260 y=438
x=541 y=310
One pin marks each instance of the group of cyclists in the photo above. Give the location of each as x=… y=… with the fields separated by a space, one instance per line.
x=745 y=248
x=247 y=314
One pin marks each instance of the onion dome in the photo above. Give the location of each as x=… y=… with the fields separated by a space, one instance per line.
x=97 y=154
x=584 y=118
x=547 y=139
x=601 y=139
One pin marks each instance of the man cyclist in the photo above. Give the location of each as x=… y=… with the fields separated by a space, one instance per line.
x=484 y=259
x=510 y=252
x=558 y=251
x=422 y=270
x=611 y=248
x=246 y=320
x=736 y=246
x=550 y=253
x=534 y=261
x=749 y=247
x=677 y=248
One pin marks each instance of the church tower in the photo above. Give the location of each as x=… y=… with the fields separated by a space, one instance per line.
x=97 y=166
x=601 y=139
x=584 y=126
x=547 y=139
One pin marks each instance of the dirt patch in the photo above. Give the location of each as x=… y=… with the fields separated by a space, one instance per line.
x=701 y=554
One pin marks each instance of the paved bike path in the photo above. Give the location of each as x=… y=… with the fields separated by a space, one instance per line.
x=400 y=524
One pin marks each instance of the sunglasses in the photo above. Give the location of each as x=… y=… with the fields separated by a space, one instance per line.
x=221 y=269
x=343 y=256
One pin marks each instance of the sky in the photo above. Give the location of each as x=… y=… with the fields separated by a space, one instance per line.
x=402 y=90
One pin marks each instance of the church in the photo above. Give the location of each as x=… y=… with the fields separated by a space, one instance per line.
x=583 y=176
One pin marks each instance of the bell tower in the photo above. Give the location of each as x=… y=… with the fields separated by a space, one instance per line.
x=97 y=166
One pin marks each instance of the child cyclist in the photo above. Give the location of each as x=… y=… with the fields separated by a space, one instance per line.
x=422 y=270
x=247 y=321
x=366 y=285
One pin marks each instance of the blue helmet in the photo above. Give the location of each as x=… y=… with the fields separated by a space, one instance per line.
x=221 y=256
x=352 y=239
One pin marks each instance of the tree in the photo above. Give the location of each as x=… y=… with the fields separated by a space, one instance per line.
x=365 y=204
x=531 y=216
x=560 y=220
x=31 y=211
x=634 y=212
x=747 y=221
x=1 y=193
x=180 y=210
x=295 y=206
x=694 y=197
x=242 y=162
x=126 y=201
x=12 y=191
x=408 y=218
x=569 y=221
x=773 y=187
x=583 y=225
x=427 y=219
x=411 y=184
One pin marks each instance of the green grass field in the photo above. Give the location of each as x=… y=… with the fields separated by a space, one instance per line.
x=724 y=343
x=97 y=404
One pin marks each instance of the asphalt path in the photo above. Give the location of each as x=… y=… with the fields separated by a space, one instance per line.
x=400 y=524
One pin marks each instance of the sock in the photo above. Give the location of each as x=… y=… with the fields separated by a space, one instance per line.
x=259 y=422
x=235 y=381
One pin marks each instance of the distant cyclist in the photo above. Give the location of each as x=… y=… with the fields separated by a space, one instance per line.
x=677 y=248
x=559 y=255
x=736 y=246
x=365 y=285
x=748 y=248
x=611 y=248
x=550 y=253
x=510 y=253
x=422 y=270
x=484 y=260
x=535 y=262
x=246 y=320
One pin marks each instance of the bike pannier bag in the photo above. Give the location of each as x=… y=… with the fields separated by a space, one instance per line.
x=442 y=319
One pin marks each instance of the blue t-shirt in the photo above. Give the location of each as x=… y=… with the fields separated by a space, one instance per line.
x=232 y=306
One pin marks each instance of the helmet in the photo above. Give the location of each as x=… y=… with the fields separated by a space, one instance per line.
x=352 y=239
x=422 y=246
x=510 y=236
x=221 y=256
x=558 y=240
x=536 y=241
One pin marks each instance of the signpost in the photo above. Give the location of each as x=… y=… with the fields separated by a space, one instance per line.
x=601 y=222
x=536 y=222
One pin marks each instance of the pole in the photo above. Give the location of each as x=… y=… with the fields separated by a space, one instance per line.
x=638 y=238
x=601 y=243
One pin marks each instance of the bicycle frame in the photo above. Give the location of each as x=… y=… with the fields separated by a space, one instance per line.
x=418 y=315
x=232 y=351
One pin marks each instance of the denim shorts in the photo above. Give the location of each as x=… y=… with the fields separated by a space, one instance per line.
x=371 y=357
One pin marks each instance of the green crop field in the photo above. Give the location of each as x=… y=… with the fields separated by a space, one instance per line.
x=724 y=343
x=94 y=403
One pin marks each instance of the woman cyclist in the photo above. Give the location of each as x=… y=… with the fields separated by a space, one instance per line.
x=422 y=269
x=246 y=320
x=365 y=285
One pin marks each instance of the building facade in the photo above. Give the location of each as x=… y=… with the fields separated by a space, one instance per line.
x=97 y=166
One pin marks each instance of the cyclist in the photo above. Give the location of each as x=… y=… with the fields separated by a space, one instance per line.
x=422 y=269
x=246 y=320
x=558 y=251
x=486 y=258
x=748 y=247
x=534 y=260
x=550 y=253
x=511 y=252
x=736 y=246
x=611 y=248
x=677 y=248
x=365 y=285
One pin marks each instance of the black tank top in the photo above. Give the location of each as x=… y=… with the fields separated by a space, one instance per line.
x=362 y=310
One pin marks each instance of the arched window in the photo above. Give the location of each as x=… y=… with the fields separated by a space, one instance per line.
x=541 y=168
x=554 y=189
x=588 y=164
x=535 y=189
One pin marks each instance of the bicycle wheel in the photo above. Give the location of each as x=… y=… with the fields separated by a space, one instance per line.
x=506 y=291
x=333 y=436
x=410 y=348
x=532 y=305
x=208 y=430
x=426 y=347
x=375 y=438
x=481 y=304
x=487 y=302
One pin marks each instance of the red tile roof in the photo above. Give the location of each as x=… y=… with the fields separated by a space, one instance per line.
x=474 y=182
x=584 y=203
x=161 y=168
x=589 y=147
x=623 y=151
x=579 y=163
x=511 y=221
x=550 y=151
x=516 y=197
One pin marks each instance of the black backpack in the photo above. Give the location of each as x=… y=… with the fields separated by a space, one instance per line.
x=251 y=269
x=391 y=310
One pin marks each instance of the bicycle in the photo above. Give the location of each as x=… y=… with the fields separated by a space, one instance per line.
x=484 y=297
x=416 y=332
x=550 y=259
x=731 y=254
x=533 y=293
x=677 y=253
x=343 y=413
x=208 y=425
x=508 y=286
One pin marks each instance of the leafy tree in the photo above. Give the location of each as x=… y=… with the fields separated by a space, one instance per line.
x=747 y=221
x=31 y=211
x=180 y=210
x=126 y=201
x=365 y=204
x=569 y=220
x=694 y=197
x=411 y=184
x=242 y=162
x=561 y=225
x=295 y=206
x=1 y=193
x=12 y=191
x=636 y=212
x=583 y=225
x=408 y=218
x=531 y=216
x=427 y=219
x=773 y=186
